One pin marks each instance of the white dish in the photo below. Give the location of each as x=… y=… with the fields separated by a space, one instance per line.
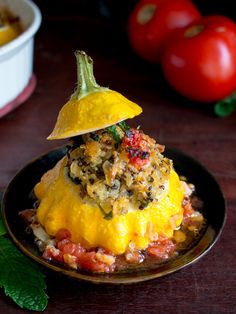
x=16 y=57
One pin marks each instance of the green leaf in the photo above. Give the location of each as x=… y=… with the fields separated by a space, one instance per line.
x=112 y=129
x=2 y=227
x=123 y=125
x=226 y=106
x=21 y=279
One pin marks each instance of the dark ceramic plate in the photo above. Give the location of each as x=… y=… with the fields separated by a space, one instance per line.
x=16 y=198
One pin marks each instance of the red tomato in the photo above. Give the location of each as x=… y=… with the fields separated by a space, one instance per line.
x=67 y=247
x=199 y=61
x=137 y=148
x=162 y=249
x=88 y=261
x=152 y=21
x=63 y=234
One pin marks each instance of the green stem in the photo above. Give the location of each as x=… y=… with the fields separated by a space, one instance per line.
x=86 y=80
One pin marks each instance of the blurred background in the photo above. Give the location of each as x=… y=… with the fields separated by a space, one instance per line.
x=116 y=13
x=119 y=10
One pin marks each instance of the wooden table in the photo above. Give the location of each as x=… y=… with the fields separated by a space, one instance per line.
x=208 y=286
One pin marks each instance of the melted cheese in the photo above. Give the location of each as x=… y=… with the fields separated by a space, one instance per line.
x=62 y=207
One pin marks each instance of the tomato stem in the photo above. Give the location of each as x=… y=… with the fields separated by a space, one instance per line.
x=193 y=31
x=146 y=13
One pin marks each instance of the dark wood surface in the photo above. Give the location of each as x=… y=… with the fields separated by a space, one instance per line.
x=209 y=286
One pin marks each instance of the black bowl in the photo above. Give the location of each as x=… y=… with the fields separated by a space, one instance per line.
x=16 y=198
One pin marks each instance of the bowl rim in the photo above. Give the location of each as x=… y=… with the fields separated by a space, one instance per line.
x=27 y=34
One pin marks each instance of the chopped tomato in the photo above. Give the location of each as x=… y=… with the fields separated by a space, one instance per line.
x=132 y=138
x=27 y=215
x=52 y=253
x=63 y=234
x=88 y=261
x=76 y=256
x=188 y=210
x=161 y=148
x=162 y=249
x=68 y=247
x=138 y=162
x=137 y=147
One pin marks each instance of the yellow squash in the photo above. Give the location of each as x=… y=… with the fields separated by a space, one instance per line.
x=62 y=207
x=91 y=107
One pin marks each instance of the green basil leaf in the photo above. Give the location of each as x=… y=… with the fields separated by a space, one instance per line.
x=20 y=278
x=123 y=125
x=112 y=129
x=2 y=228
x=226 y=106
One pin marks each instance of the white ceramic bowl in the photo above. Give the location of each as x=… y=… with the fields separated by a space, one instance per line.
x=16 y=57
